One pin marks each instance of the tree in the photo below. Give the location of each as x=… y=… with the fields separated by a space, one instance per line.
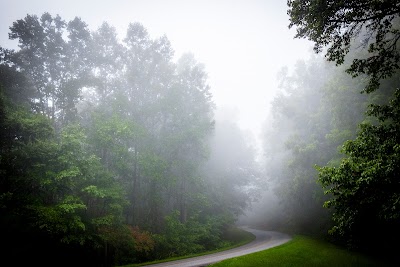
x=100 y=137
x=338 y=23
x=318 y=108
x=58 y=68
x=55 y=196
x=296 y=141
x=188 y=123
x=365 y=187
x=108 y=63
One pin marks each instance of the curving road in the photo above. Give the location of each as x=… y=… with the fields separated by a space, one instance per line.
x=264 y=240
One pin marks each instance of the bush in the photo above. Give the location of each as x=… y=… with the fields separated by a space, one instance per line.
x=194 y=236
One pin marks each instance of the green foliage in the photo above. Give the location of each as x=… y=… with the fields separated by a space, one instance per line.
x=56 y=67
x=307 y=129
x=315 y=117
x=178 y=239
x=144 y=244
x=312 y=119
x=194 y=236
x=50 y=187
x=119 y=245
x=98 y=134
x=62 y=220
x=365 y=187
x=337 y=23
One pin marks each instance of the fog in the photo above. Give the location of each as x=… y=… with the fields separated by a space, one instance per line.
x=134 y=131
x=243 y=44
x=247 y=53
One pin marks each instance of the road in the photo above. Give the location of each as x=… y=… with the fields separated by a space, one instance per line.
x=264 y=240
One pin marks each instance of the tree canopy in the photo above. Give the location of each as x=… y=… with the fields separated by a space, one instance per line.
x=352 y=23
x=363 y=186
x=103 y=144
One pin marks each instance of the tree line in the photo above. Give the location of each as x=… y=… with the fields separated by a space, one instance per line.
x=104 y=148
x=334 y=154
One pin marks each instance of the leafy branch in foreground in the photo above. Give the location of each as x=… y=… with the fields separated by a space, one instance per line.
x=338 y=23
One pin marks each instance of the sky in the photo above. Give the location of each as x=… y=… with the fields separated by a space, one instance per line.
x=242 y=43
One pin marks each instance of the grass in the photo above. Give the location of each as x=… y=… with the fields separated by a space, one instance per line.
x=234 y=236
x=303 y=251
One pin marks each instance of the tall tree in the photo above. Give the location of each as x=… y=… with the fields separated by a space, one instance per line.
x=56 y=67
x=131 y=132
x=196 y=106
x=301 y=128
x=366 y=174
x=365 y=187
x=54 y=195
x=108 y=63
x=317 y=109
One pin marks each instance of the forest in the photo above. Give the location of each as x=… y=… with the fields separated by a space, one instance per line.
x=105 y=147
x=112 y=152
x=332 y=140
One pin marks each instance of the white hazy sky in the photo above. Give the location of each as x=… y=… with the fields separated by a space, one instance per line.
x=243 y=43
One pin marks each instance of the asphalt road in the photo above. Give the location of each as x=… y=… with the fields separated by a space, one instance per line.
x=264 y=240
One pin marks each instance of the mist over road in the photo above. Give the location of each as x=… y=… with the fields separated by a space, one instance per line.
x=264 y=240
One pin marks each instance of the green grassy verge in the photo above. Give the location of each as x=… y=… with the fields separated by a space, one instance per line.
x=303 y=251
x=235 y=236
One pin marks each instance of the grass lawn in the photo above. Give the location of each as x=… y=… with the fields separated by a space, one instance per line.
x=303 y=251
